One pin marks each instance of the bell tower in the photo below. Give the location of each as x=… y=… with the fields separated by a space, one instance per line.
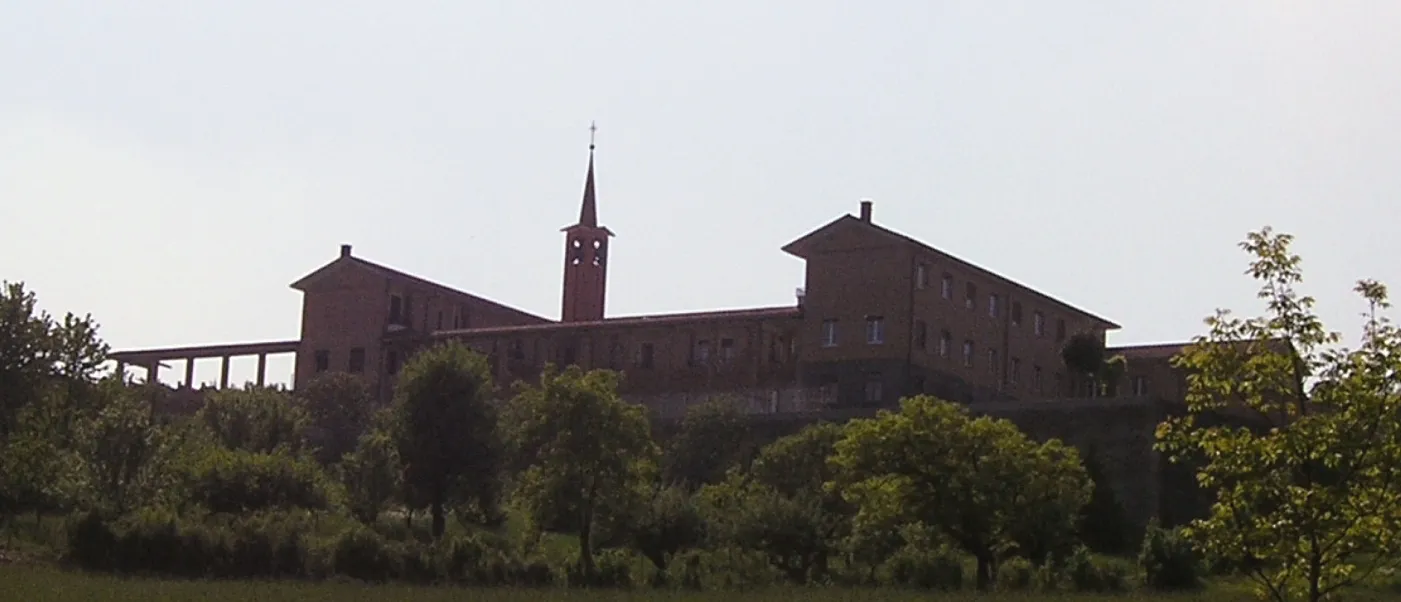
x=585 y=256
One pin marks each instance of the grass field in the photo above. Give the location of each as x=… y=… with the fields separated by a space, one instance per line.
x=30 y=583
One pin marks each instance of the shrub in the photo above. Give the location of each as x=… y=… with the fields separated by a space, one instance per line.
x=925 y=568
x=1168 y=560
x=363 y=554
x=228 y=481
x=612 y=568
x=1087 y=573
x=1015 y=574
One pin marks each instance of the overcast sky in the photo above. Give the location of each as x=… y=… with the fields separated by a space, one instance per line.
x=171 y=167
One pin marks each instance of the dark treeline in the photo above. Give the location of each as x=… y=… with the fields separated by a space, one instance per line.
x=562 y=482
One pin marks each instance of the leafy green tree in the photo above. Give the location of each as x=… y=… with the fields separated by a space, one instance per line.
x=371 y=475
x=978 y=481
x=118 y=447
x=592 y=454
x=340 y=406
x=37 y=353
x=1308 y=500
x=792 y=532
x=667 y=524
x=711 y=440
x=446 y=430
x=1104 y=524
x=799 y=462
x=255 y=419
x=24 y=351
x=1085 y=356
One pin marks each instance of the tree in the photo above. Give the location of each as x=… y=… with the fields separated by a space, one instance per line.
x=371 y=475
x=667 y=524
x=1084 y=355
x=37 y=353
x=1307 y=496
x=340 y=406
x=255 y=419
x=711 y=440
x=118 y=446
x=592 y=453
x=979 y=481
x=446 y=430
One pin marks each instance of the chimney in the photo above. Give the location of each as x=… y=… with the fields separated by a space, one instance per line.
x=866 y=210
x=345 y=250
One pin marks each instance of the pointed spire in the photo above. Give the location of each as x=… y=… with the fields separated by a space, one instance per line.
x=588 y=212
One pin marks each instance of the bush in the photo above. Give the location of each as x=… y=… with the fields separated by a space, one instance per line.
x=228 y=481
x=923 y=568
x=612 y=568
x=723 y=569
x=1168 y=560
x=1089 y=574
x=154 y=541
x=363 y=554
x=1016 y=574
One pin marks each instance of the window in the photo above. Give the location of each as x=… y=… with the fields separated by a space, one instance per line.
x=874 y=387
x=516 y=350
x=391 y=362
x=1015 y=371
x=875 y=330
x=727 y=350
x=1060 y=384
x=829 y=333
x=464 y=313
x=775 y=350
x=408 y=312
x=1140 y=385
x=992 y=362
x=1036 y=378
x=947 y=290
x=1038 y=323
x=357 y=360
x=945 y=340
x=568 y=354
x=440 y=319
x=323 y=360
x=396 y=309
x=645 y=354
x=921 y=276
x=1060 y=330
x=968 y=354
x=702 y=352
x=921 y=334
x=1016 y=313
x=994 y=306
x=970 y=295
x=616 y=352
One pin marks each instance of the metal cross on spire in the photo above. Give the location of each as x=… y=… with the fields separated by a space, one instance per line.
x=593 y=130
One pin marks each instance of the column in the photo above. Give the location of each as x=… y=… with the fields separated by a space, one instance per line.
x=262 y=368
x=224 y=374
x=121 y=370
x=190 y=372
x=153 y=372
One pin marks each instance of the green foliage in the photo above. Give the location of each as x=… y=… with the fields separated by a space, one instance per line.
x=371 y=475
x=446 y=430
x=979 y=481
x=666 y=525
x=1104 y=525
x=711 y=440
x=340 y=408
x=1168 y=560
x=118 y=449
x=798 y=463
x=1308 y=501
x=255 y=419
x=238 y=481
x=38 y=353
x=592 y=453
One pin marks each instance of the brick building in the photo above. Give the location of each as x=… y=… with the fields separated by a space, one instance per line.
x=881 y=316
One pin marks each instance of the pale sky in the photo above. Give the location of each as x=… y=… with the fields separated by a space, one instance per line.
x=171 y=167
